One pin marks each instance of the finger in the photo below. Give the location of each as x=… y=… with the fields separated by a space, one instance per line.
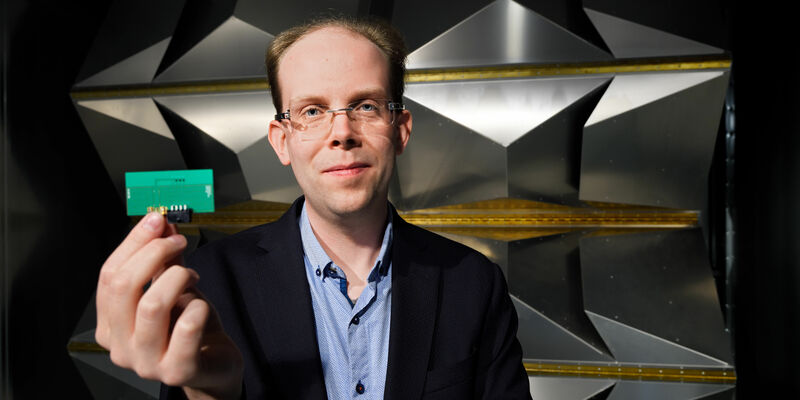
x=181 y=362
x=151 y=328
x=170 y=230
x=150 y=227
x=127 y=286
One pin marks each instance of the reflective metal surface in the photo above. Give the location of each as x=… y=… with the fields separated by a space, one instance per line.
x=96 y=369
x=502 y=110
x=124 y=147
x=553 y=387
x=235 y=49
x=545 y=273
x=419 y=28
x=628 y=39
x=657 y=154
x=431 y=174
x=631 y=345
x=544 y=164
x=267 y=179
x=276 y=16
x=138 y=68
x=141 y=112
x=202 y=151
x=629 y=92
x=642 y=281
x=632 y=390
x=123 y=52
x=504 y=32
x=236 y=120
x=544 y=339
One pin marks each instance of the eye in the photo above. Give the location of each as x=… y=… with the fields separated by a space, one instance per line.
x=311 y=112
x=368 y=106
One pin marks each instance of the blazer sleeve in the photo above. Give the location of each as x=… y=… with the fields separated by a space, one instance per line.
x=501 y=374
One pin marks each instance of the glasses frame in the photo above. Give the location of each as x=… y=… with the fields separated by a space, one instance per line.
x=392 y=106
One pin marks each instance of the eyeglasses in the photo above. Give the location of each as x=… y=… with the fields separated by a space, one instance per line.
x=314 y=121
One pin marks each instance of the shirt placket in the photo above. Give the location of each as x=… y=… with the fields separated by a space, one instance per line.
x=359 y=342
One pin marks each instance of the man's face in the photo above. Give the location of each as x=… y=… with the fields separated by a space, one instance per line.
x=348 y=169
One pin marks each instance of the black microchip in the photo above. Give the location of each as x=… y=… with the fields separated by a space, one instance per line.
x=179 y=216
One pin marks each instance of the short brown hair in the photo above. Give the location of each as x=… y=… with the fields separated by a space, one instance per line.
x=383 y=35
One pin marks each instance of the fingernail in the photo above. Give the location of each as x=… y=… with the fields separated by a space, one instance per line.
x=153 y=221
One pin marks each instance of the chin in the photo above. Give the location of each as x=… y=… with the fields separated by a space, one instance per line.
x=348 y=203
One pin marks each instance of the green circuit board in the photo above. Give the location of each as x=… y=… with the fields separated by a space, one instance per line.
x=193 y=189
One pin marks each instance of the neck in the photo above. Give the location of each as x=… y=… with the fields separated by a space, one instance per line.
x=352 y=241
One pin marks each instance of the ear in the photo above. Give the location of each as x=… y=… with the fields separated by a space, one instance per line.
x=278 y=138
x=403 y=127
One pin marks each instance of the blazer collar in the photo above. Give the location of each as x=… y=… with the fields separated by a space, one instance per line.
x=415 y=299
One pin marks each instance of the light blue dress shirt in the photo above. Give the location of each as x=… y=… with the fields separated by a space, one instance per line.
x=353 y=338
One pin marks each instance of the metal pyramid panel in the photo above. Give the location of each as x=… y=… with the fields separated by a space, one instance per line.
x=236 y=120
x=631 y=345
x=419 y=28
x=138 y=68
x=446 y=163
x=141 y=112
x=628 y=92
x=503 y=110
x=545 y=273
x=658 y=154
x=504 y=32
x=233 y=50
x=628 y=39
x=567 y=388
x=653 y=299
x=128 y=43
x=543 y=339
x=633 y=390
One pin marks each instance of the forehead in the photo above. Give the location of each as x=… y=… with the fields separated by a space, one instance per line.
x=332 y=62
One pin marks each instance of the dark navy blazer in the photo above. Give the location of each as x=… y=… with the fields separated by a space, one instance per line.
x=453 y=326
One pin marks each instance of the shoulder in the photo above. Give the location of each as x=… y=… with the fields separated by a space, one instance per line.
x=455 y=259
x=241 y=244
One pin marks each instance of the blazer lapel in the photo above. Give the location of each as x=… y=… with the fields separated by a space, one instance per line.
x=285 y=326
x=415 y=291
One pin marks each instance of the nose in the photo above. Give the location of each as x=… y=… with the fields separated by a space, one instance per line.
x=342 y=133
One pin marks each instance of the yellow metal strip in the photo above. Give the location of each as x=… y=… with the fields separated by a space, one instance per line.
x=529 y=71
x=650 y=373
x=415 y=76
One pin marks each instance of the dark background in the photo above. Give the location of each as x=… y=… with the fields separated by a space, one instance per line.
x=61 y=216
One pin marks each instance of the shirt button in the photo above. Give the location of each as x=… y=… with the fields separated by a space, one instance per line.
x=360 y=388
x=318 y=273
x=355 y=320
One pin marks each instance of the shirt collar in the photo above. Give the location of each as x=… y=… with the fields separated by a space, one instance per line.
x=318 y=258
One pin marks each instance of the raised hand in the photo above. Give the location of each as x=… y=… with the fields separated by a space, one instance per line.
x=168 y=332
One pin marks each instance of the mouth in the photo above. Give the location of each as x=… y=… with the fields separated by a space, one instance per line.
x=346 y=169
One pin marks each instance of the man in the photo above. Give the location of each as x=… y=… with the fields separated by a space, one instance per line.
x=340 y=297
